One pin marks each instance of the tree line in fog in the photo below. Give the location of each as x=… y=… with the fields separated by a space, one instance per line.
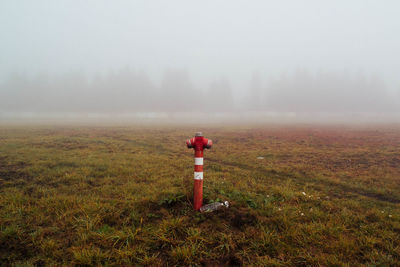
x=129 y=91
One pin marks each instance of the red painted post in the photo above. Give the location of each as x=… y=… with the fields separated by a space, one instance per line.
x=198 y=143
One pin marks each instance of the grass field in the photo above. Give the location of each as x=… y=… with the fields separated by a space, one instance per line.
x=321 y=195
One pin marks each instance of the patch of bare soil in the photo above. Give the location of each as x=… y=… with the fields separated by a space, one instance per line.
x=10 y=172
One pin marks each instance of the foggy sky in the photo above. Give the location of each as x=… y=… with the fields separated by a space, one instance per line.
x=279 y=52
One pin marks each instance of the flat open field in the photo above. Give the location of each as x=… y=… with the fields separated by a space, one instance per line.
x=321 y=195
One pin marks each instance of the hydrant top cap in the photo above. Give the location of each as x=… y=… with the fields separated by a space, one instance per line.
x=199 y=134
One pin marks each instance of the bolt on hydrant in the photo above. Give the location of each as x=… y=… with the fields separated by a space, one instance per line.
x=198 y=143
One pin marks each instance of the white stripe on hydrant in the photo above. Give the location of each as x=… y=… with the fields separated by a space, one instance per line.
x=198 y=161
x=198 y=175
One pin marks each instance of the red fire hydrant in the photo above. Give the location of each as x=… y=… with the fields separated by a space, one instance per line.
x=198 y=143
